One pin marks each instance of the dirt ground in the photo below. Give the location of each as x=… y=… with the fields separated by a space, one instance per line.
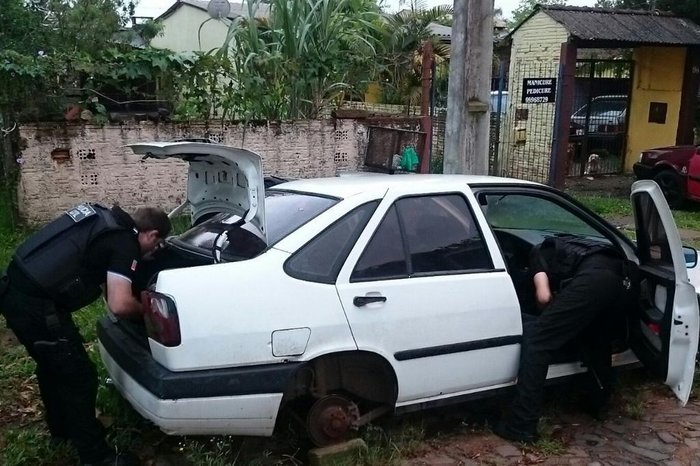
x=614 y=185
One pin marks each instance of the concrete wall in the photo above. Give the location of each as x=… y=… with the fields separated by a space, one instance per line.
x=658 y=77
x=100 y=168
x=526 y=143
x=181 y=31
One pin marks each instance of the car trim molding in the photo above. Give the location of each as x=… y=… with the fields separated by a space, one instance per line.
x=457 y=347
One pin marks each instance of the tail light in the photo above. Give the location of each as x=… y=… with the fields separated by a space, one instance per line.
x=160 y=316
x=654 y=327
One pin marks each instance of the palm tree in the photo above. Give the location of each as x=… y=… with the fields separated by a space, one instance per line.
x=401 y=57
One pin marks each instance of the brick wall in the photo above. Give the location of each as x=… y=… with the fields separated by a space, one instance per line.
x=100 y=168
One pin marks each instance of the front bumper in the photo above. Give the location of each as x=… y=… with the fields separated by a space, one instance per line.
x=236 y=401
x=642 y=171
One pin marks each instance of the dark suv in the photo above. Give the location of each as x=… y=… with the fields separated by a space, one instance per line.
x=668 y=166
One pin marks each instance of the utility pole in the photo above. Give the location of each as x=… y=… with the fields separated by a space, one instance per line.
x=455 y=122
x=468 y=93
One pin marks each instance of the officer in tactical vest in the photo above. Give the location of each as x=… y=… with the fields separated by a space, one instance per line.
x=578 y=286
x=56 y=271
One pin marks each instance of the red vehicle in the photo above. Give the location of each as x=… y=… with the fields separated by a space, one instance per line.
x=676 y=169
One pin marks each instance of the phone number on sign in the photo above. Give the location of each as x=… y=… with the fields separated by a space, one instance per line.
x=536 y=100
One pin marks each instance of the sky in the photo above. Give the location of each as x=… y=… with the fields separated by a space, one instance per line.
x=156 y=7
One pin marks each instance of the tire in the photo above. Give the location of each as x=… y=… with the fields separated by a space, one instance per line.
x=670 y=183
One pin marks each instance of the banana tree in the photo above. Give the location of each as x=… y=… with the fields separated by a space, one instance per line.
x=297 y=61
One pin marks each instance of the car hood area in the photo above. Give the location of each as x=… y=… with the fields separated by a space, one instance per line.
x=220 y=179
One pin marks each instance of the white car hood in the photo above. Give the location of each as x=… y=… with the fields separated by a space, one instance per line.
x=220 y=178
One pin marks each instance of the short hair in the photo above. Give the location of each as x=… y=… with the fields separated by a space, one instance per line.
x=150 y=218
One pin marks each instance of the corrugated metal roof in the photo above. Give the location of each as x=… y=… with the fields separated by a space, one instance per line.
x=625 y=26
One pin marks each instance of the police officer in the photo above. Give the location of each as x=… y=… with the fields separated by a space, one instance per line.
x=578 y=286
x=56 y=271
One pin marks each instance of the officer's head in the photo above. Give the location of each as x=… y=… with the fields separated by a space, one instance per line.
x=153 y=226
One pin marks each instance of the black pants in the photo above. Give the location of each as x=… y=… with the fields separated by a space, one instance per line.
x=583 y=311
x=67 y=378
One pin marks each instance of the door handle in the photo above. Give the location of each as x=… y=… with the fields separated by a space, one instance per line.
x=360 y=301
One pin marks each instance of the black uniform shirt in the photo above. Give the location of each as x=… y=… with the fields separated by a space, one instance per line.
x=116 y=252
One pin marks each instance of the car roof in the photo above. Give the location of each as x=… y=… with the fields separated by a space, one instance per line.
x=351 y=184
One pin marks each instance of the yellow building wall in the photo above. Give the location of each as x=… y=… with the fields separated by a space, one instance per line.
x=658 y=77
x=181 y=31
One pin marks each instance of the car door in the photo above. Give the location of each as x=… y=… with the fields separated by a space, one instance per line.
x=426 y=288
x=664 y=330
x=694 y=176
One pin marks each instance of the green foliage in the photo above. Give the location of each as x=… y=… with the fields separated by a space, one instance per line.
x=42 y=86
x=301 y=59
x=389 y=446
x=525 y=7
x=685 y=8
x=30 y=445
x=21 y=27
x=607 y=206
x=400 y=61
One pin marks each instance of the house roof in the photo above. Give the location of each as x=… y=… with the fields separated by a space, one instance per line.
x=440 y=31
x=621 y=27
x=262 y=10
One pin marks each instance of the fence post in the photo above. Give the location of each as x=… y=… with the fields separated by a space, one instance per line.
x=562 y=115
x=426 y=121
x=499 y=106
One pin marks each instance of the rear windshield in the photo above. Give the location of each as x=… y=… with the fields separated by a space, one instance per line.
x=284 y=213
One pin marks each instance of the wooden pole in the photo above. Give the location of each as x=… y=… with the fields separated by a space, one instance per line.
x=478 y=75
x=467 y=123
x=455 y=121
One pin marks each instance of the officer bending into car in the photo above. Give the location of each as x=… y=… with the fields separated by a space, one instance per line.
x=578 y=286
x=59 y=269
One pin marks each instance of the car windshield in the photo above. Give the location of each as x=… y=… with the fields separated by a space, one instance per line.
x=284 y=212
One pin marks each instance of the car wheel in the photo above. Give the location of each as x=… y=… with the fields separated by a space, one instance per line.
x=670 y=184
x=332 y=419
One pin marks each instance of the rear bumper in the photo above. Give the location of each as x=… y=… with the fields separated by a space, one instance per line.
x=237 y=401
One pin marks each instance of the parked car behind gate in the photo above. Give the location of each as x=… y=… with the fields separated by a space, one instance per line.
x=350 y=297
x=605 y=132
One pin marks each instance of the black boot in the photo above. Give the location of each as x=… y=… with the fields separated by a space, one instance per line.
x=508 y=431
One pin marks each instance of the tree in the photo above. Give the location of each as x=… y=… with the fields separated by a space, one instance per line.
x=400 y=60
x=525 y=7
x=22 y=28
x=305 y=55
x=686 y=8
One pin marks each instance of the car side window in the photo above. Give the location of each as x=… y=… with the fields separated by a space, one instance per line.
x=423 y=236
x=320 y=259
x=384 y=257
x=528 y=212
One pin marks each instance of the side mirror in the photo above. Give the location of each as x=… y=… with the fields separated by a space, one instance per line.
x=691 y=256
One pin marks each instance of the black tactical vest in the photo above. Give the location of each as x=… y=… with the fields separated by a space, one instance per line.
x=562 y=254
x=52 y=257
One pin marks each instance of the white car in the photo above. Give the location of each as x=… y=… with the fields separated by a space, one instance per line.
x=355 y=296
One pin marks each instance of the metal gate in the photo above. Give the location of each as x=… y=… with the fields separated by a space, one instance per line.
x=598 y=124
x=522 y=131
